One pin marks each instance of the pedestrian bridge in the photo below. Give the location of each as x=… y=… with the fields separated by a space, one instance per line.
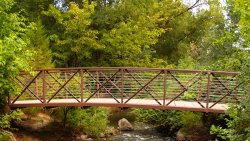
x=192 y=90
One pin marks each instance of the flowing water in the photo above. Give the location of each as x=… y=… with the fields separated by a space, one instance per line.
x=144 y=133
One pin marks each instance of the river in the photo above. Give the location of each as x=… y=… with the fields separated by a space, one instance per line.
x=144 y=133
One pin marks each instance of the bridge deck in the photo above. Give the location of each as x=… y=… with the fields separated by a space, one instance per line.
x=136 y=103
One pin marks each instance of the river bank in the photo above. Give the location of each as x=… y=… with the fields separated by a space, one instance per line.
x=42 y=127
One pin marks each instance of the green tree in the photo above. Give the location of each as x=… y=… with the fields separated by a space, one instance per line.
x=243 y=7
x=72 y=40
x=38 y=42
x=14 y=54
x=238 y=124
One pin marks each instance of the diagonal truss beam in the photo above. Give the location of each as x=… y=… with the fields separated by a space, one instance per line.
x=224 y=85
x=23 y=85
x=143 y=87
x=102 y=86
x=228 y=93
x=26 y=87
x=112 y=83
x=62 y=86
x=185 y=88
x=150 y=88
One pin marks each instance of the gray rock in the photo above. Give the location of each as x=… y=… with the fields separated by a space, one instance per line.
x=125 y=125
x=88 y=139
x=83 y=137
x=180 y=136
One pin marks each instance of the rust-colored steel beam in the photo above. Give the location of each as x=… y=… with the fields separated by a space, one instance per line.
x=208 y=89
x=184 y=88
x=165 y=86
x=14 y=106
x=112 y=83
x=27 y=86
x=35 y=95
x=122 y=86
x=144 y=87
x=228 y=93
x=81 y=84
x=102 y=86
x=62 y=86
x=224 y=85
x=135 y=69
x=44 y=86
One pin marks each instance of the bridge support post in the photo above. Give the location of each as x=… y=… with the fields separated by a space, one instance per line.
x=81 y=87
x=165 y=86
x=122 y=85
x=66 y=86
x=97 y=84
x=44 y=86
x=208 y=89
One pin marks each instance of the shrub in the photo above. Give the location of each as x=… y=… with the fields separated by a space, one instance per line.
x=93 y=121
x=5 y=123
x=31 y=111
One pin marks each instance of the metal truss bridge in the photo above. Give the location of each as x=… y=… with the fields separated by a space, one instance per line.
x=192 y=90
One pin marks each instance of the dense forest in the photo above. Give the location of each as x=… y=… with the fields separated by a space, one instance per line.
x=198 y=34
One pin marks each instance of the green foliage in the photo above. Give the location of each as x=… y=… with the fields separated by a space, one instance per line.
x=7 y=118
x=60 y=114
x=243 y=7
x=73 y=39
x=188 y=96
x=39 y=43
x=113 y=36
x=4 y=136
x=5 y=123
x=31 y=111
x=190 y=120
x=238 y=127
x=14 y=55
x=172 y=119
x=92 y=121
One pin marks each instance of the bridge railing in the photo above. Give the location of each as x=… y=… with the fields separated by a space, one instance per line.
x=162 y=87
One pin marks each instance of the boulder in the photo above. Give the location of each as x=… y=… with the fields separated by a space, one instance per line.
x=180 y=136
x=83 y=137
x=125 y=125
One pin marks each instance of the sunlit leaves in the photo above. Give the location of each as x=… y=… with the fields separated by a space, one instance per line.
x=13 y=51
x=243 y=7
x=74 y=37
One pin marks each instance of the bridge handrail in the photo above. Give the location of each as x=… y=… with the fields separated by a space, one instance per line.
x=138 y=69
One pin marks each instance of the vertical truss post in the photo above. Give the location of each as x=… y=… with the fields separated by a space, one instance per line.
x=36 y=88
x=65 y=78
x=82 y=83
x=208 y=89
x=130 y=87
x=122 y=85
x=97 y=84
x=165 y=86
x=44 y=86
